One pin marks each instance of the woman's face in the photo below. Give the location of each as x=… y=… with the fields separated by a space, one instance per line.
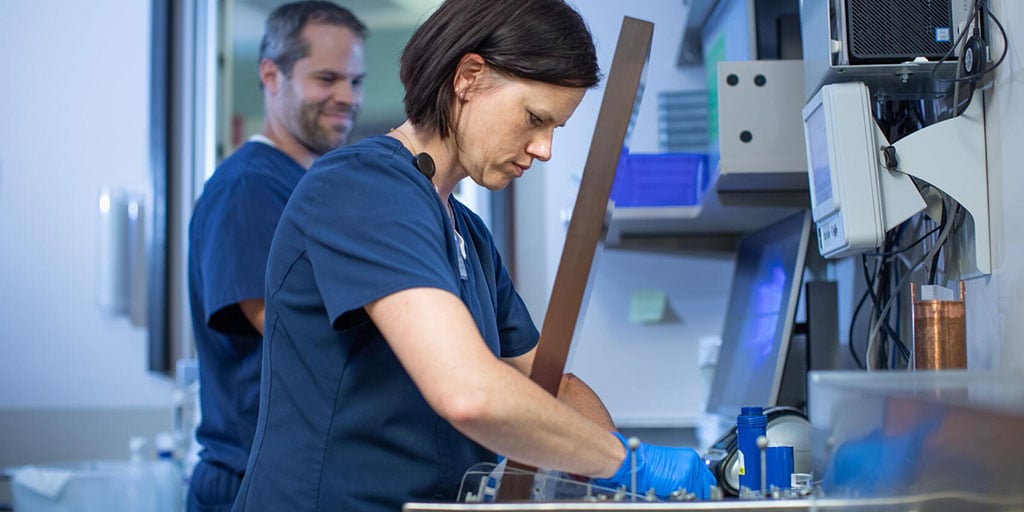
x=504 y=124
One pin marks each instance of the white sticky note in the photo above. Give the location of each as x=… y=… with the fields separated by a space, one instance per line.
x=647 y=306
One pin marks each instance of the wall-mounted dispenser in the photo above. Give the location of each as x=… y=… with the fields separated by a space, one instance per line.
x=121 y=258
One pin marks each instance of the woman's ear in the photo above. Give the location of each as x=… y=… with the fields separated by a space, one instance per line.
x=468 y=74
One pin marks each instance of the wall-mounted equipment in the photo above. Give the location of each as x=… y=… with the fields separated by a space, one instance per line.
x=861 y=184
x=121 y=270
x=866 y=40
x=760 y=134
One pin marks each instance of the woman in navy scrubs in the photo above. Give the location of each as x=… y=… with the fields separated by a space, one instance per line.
x=397 y=349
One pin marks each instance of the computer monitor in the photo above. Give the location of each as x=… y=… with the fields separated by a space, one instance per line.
x=760 y=316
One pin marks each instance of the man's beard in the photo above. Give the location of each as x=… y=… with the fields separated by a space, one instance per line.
x=316 y=137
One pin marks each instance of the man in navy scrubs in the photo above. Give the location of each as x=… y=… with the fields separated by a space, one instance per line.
x=311 y=71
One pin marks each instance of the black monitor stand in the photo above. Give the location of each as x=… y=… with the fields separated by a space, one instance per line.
x=815 y=342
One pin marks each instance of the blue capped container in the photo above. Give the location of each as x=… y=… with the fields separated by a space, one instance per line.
x=779 y=463
x=750 y=424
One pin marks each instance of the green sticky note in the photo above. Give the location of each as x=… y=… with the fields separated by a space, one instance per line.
x=647 y=306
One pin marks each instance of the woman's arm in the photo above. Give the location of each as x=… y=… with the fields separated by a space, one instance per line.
x=437 y=342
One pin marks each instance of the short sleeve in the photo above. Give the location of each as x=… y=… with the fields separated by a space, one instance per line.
x=373 y=226
x=516 y=330
x=237 y=234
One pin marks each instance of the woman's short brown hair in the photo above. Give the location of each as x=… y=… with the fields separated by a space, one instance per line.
x=543 y=40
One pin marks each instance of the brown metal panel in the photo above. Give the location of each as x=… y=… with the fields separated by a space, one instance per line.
x=587 y=226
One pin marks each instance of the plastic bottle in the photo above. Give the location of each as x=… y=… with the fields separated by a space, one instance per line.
x=181 y=414
x=750 y=424
x=168 y=478
x=185 y=414
x=138 y=486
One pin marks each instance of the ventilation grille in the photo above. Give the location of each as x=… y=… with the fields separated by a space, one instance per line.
x=683 y=121
x=899 y=30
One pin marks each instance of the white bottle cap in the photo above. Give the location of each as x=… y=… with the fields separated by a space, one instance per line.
x=136 y=447
x=164 y=444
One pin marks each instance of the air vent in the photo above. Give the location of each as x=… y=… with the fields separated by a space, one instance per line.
x=683 y=121
x=887 y=31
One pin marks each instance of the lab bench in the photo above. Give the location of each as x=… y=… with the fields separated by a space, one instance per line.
x=925 y=441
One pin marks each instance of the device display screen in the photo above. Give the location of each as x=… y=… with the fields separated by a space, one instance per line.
x=817 y=142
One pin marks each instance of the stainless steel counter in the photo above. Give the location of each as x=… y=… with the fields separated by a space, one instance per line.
x=935 y=502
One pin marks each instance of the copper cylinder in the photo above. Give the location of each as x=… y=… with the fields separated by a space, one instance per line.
x=940 y=333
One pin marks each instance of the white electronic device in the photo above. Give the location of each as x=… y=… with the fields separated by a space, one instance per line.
x=849 y=184
x=861 y=184
x=845 y=205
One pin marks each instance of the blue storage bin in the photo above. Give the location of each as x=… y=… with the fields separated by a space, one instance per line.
x=666 y=179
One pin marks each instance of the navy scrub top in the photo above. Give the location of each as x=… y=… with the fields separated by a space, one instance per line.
x=341 y=425
x=230 y=233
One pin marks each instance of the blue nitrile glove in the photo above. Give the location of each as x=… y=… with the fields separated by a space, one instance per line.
x=662 y=468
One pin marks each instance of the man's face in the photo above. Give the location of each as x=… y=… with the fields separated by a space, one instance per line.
x=319 y=102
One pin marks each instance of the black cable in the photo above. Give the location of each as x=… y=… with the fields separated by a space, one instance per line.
x=935 y=258
x=956 y=218
x=849 y=335
x=897 y=118
x=890 y=294
x=899 y=320
x=891 y=277
x=876 y=308
x=1002 y=34
x=962 y=107
x=918 y=115
x=878 y=304
x=889 y=246
x=932 y=269
x=898 y=342
x=869 y=280
x=900 y=346
x=952 y=47
x=983 y=5
x=907 y=248
x=892 y=239
x=978 y=6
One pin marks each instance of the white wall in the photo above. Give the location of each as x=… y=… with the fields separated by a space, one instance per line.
x=995 y=304
x=74 y=116
x=614 y=356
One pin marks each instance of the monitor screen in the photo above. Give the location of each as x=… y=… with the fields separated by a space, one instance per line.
x=817 y=154
x=760 y=315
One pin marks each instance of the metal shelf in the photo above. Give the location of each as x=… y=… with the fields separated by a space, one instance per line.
x=709 y=226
